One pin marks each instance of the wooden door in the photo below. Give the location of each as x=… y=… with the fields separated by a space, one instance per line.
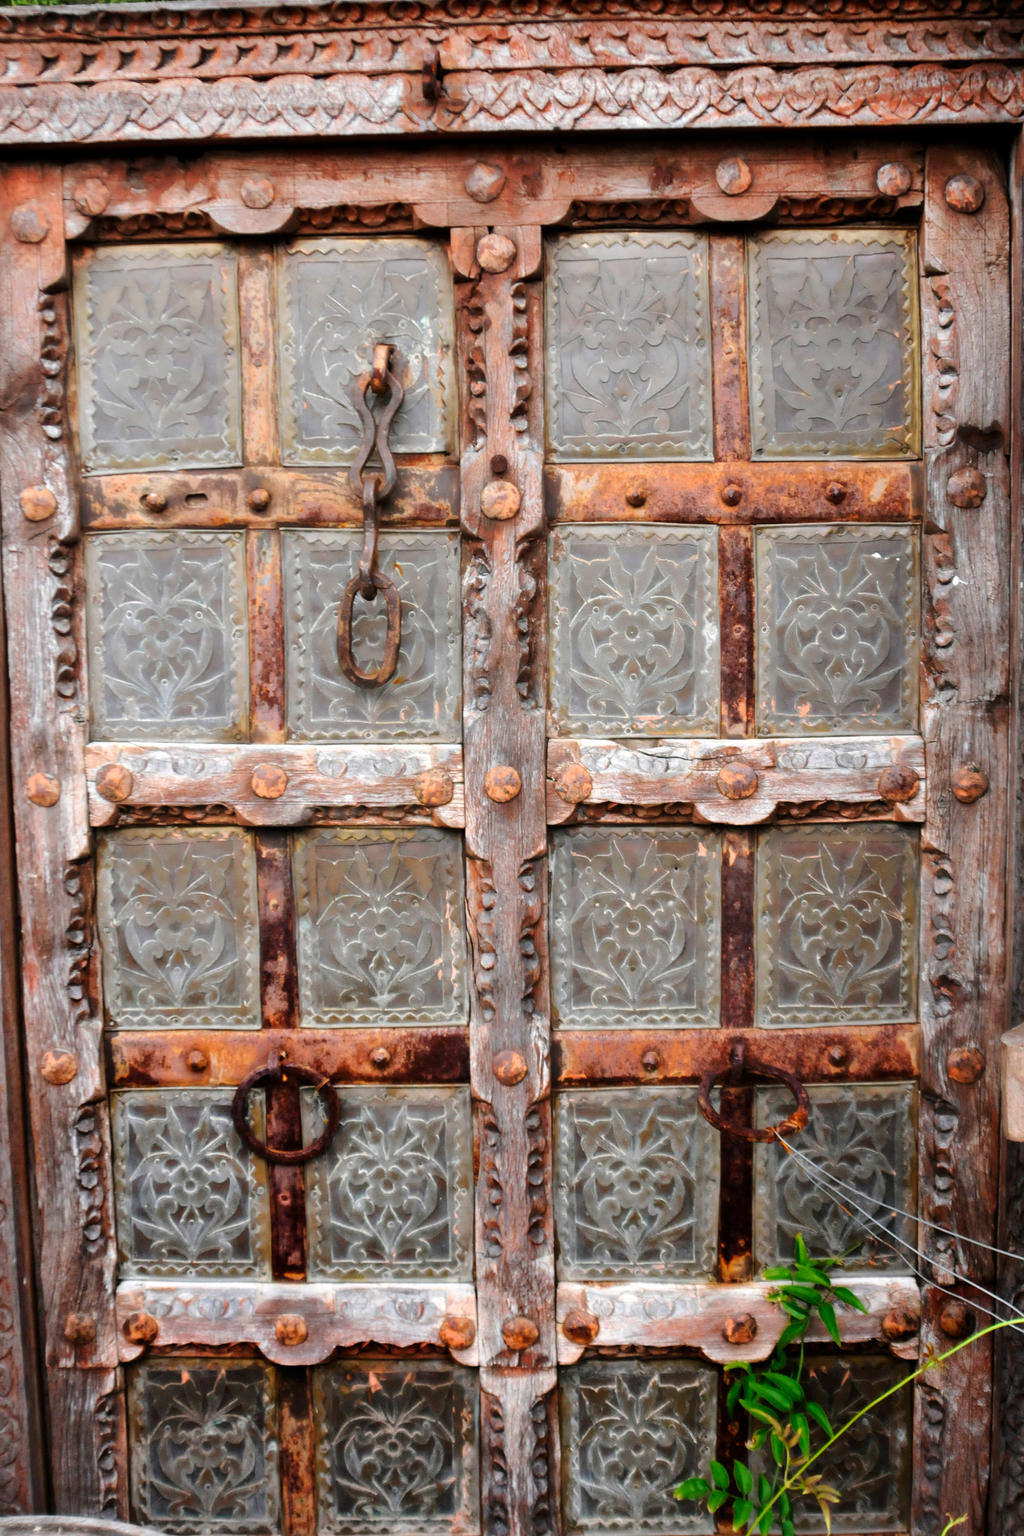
x=693 y=767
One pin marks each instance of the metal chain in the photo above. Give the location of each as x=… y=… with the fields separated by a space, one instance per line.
x=371 y=488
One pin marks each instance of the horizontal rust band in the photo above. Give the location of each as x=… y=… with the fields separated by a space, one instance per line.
x=426 y=495
x=735 y=493
x=225 y=1057
x=859 y=1054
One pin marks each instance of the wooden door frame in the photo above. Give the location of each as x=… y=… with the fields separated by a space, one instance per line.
x=112 y=81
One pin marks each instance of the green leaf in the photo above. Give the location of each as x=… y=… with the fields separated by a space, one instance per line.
x=744 y=1477
x=812 y=1275
x=766 y=1418
x=719 y=1475
x=801 y=1248
x=810 y=1294
x=785 y=1507
x=764 y=1489
x=820 y=1417
x=742 y=1513
x=716 y=1500
x=848 y=1298
x=785 y=1384
x=778 y=1272
x=795 y=1309
x=764 y=1525
x=778 y=1450
x=772 y=1395
x=789 y=1334
x=733 y=1394
x=788 y=1528
x=803 y=1432
x=827 y=1313
x=693 y=1488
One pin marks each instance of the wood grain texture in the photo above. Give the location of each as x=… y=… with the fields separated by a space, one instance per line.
x=966 y=692
x=74 y=1219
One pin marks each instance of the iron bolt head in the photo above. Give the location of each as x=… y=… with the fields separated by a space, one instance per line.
x=42 y=789
x=636 y=496
x=79 y=1329
x=495 y=253
x=291 y=1329
x=835 y=492
x=197 y=1060
x=573 y=783
x=457 y=1332
x=838 y=1056
x=737 y=781
x=964 y=193
x=898 y=783
x=733 y=176
x=741 y=1329
x=59 y=1067
x=259 y=499
x=257 y=192
x=140 y=1328
x=380 y=1056
x=37 y=503
x=967 y=487
x=650 y=1061
x=969 y=783
x=731 y=495
x=956 y=1320
x=581 y=1326
x=965 y=1064
x=484 y=182
x=434 y=787
x=91 y=197
x=509 y=1068
x=898 y=1324
x=268 y=781
x=500 y=500
x=154 y=501
x=114 y=782
x=893 y=178
x=29 y=224
x=502 y=783
x=520 y=1332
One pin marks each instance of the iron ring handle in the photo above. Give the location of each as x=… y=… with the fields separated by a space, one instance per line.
x=794 y=1121
x=280 y=1075
x=392 y=641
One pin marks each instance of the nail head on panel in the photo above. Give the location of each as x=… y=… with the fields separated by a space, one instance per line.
x=500 y=500
x=114 y=782
x=502 y=783
x=59 y=1067
x=484 y=182
x=893 y=178
x=495 y=253
x=42 y=789
x=268 y=781
x=964 y=193
x=38 y=503
x=733 y=175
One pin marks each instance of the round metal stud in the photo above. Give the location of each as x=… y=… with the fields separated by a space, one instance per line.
x=268 y=781
x=380 y=1057
x=197 y=1060
x=495 y=253
x=957 y=1320
x=38 y=503
x=41 y=789
x=741 y=1329
x=737 y=781
x=835 y=492
x=636 y=496
x=893 y=178
x=733 y=176
x=291 y=1329
x=154 y=501
x=650 y=1061
x=59 y=1067
x=573 y=783
x=79 y=1329
x=731 y=495
x=509 y=1068
x=258 y=500
x=140 y=1328
x=29 y=224
x=581 y=1326
x=898 y=1324
x=500 y=500
x=520 y=1332
x=898 y=783
x=837 y=1057
x=965 y=1064
x=434 y=787
x=114 y=782
x=969 y=783
x=257 y=192
x=457 y=1332
x=91 y=197
x=966 y=487
x=484 y=182
x=964 y=193
x=502 y=783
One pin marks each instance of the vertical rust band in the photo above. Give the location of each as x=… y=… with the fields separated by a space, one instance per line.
x=266 y=635
x=297 y=1450
x=735 y=1217
x=729 y=347
x=736 y=614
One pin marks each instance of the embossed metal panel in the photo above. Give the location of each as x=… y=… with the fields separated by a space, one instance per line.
x=838 y=624
x=380 y=926
x=836 y=936
x=634 y=630
x=393 y=1197
x=862 y=1135
x=167 y=632
x=338 y=298
x=204 y=1446
x=628 y=347
x=191 y=1199
x=870 y=1465
x=156 y=332
x=632 y=1430
x=396 y=1447
x=833 y=344
x=178 y=912
x=635 y=926
x=424 y=699
x=636 y=1184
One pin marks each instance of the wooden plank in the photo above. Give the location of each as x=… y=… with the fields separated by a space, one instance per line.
x=692 y=1315
x=520 y=1451
x=849 y=1054
x=267 y=705
x=425 y=495
x=244 y=782
x=699 y=779
x=735 y=493
x=736 y=1178
x=728 y=272
x=966 y=325
x=297 y=1451
x=74 y=1216
x=736 y=629
x=315 y=1319
x=259 y=373
x=224 y=1057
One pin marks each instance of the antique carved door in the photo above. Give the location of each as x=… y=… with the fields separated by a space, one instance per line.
x=698 y=537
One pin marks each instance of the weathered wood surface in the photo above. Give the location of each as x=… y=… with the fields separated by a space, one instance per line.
x=363 y=780
x=219 y=1058
x=683 y=777
x=966 y=327
x=693 y=1315
x=297 y=1325
x=73 y=1217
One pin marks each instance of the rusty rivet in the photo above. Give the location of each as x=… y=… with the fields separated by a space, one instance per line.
x=257 y=192
x=957 y=1320
x=731 y=495
x=495 y=253
x=893 y=178
x=737 y=781
x=733 y=176
x=140 y=1328
x=967 y=487
x=197 y=1060
x=154 y=501
x=650 y=1061
x=636 y=496
x=502 y=783
x=965 y=1064
x=433 y=787
x=500 y=500
x=268 y=781
x=457 y=1332
x=41 y=789
x=837 y=1056
x=258 y=500
x=380 y=1056
x=29 y=224
x=91 y=197
x=835 y=492
x=499 y=464
x=969 y=783
x=509 y=1068
x=899 y=1324
x=38 y=503
x=573 y=783
x=580 y=1326
x=59 y=1067
x=79 y=1329
x=484 y=182
x=741 y=1329
x=520 y=1332
x=898 y=783
x=291 y=1329
x=964 y=193
x=114 y=782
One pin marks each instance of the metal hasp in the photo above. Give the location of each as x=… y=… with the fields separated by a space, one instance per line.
x=738 y=1068
x=372 y=488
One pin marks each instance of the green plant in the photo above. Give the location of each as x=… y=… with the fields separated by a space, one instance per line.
x=784 y=1420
